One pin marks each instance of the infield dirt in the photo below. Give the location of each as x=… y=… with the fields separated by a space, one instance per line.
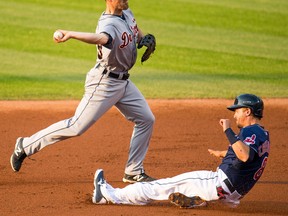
x=59 y=179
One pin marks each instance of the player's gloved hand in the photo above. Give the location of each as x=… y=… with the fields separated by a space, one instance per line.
x=150 y=42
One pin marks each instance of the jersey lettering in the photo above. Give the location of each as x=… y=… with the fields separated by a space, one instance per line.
x=264 y=148
x=250 y=140
x=259 y=172
x=126 y=39
x=135 y=30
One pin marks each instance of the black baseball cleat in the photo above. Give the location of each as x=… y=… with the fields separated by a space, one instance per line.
x=137 y=178
x=18 y=155
x=183 y=201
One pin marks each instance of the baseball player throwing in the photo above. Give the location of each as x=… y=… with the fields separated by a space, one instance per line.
x=242 y=165
x=107 y=84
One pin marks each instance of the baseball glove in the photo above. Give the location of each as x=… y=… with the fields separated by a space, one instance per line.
x=150 y=42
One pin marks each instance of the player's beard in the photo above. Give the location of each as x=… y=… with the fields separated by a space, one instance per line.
x=124 y=5
x=239 y=126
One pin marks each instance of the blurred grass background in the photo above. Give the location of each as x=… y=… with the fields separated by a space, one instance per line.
x=205 y=49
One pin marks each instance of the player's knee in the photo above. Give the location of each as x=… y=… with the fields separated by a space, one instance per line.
x=77 y=131
x=145 y=120
x=76 y=128
x=150 y=119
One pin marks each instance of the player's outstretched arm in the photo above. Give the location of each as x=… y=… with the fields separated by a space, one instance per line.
x=87 y=37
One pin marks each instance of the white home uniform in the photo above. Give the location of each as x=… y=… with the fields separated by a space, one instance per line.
x=107 y=84
x=197 y=183
x=231 y=182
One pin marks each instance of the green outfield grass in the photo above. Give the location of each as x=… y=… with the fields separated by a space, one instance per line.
x=205 y=49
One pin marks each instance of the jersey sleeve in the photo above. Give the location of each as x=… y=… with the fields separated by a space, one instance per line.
x=109 y=30
x=249 y=137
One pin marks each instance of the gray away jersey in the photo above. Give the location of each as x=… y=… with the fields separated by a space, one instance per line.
x=119 y=55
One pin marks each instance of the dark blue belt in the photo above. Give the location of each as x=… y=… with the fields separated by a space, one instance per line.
x=229 y=185
x=222 y=193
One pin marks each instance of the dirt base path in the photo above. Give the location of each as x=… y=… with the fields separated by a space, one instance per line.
x=59 y=179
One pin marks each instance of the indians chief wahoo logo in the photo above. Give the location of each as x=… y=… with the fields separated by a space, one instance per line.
x=250 y=140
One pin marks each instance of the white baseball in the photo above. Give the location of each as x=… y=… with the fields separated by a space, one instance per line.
x=58 y=35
